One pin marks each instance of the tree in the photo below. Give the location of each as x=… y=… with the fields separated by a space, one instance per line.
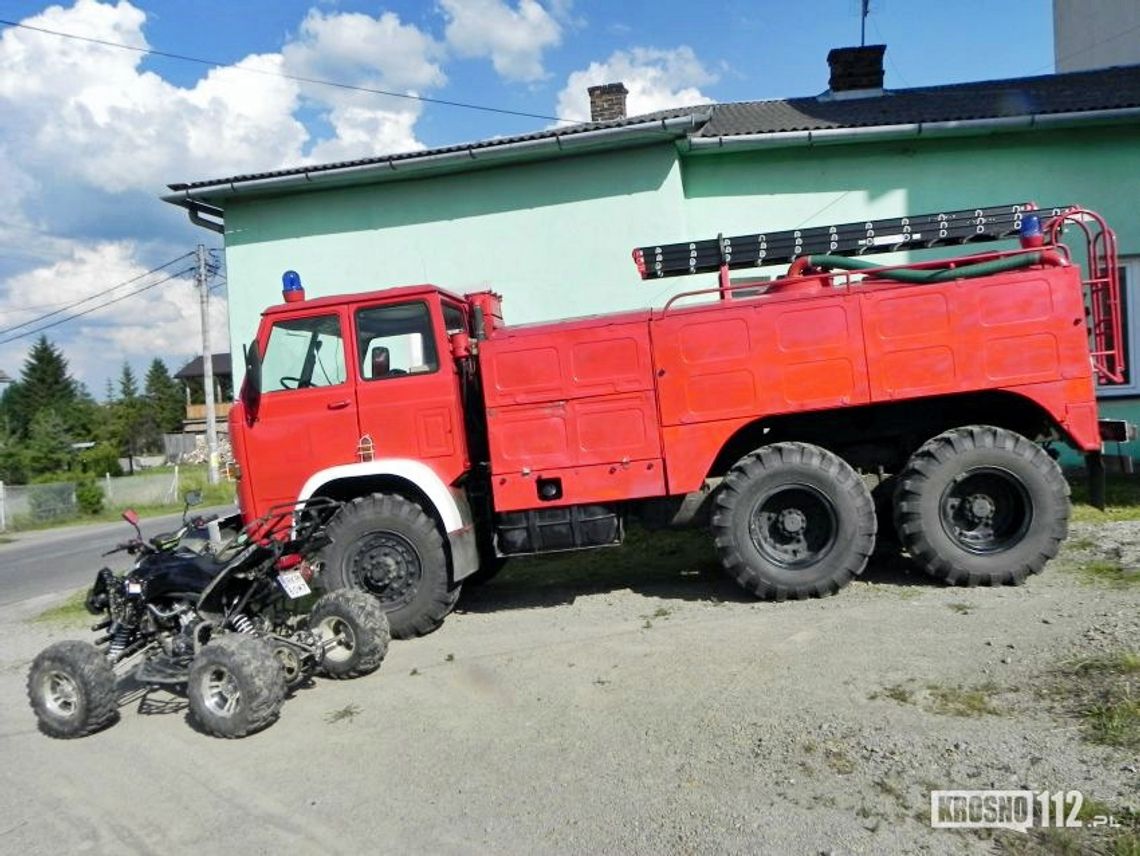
x=49 y=443
x=164 y=395
x=44 y=384
x=128 y=386
x=127 y=417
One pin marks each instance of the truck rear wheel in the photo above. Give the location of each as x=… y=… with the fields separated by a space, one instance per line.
x=793 y=520
x=387 y=546
x=981 y=505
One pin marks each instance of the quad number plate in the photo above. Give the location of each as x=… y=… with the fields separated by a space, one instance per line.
x=294 y=584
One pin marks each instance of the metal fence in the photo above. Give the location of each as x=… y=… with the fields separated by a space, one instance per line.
x=21 y=505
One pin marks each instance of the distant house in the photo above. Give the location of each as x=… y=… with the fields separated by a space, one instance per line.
x=192 y=375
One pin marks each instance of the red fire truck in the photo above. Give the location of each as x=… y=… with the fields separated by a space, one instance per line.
x=768 y=409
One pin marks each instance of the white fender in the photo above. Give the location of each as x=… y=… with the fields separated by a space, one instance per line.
x=417 y=472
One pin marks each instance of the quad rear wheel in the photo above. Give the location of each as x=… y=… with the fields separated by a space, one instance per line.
x=981 y=505
x=359 y=627
x=793 y=520
x=236 y=686
x=72 y=690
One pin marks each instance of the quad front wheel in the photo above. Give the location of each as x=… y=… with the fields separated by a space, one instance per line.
x=793 y=520
x=236 y=686
x=981 y=505
x=387 y=546
x=358 y=628
x=72 y=690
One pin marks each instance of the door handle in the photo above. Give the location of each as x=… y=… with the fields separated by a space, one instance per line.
x=339 y=405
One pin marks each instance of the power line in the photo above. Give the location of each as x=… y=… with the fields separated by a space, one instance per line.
x=296 y=77
x=90 y=297
x=103 y=305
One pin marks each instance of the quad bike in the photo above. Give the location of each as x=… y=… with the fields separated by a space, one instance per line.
x=226 y=620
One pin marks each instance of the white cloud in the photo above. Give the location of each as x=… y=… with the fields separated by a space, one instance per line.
x=89 y=138
x=377 y=53
x=656 y=79
x=514 y=37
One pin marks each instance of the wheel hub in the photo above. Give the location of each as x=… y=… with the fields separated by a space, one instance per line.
x=792 y=521
x=794 y=526
x=60 y=693
x=986 y=510
x=385 y=564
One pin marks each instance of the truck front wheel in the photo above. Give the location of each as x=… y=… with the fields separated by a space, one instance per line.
x=793 y=520
x=387 y=546
x=981 y=505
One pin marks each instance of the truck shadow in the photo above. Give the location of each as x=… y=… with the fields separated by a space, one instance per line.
x=672 y=565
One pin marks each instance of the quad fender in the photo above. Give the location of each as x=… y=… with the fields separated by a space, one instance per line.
x=448 y=505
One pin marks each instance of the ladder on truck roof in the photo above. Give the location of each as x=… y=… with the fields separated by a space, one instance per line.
x=867 y=237
x=918 y=232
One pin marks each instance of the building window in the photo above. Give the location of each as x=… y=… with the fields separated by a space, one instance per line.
x=1129 y=303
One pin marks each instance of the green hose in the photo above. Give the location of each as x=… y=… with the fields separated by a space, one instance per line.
x=928 y=276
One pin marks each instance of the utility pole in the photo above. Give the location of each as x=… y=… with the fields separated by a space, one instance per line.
x=207 y=368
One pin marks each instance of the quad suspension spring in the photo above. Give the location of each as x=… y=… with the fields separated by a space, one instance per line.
x=241 y=623
x=119 y=642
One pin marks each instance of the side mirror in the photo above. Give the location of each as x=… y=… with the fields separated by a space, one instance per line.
x=251 y=386
x=193 y=497
x=132 y=517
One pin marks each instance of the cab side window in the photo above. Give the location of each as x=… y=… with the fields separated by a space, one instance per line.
x=303 y=353
x=395 y=341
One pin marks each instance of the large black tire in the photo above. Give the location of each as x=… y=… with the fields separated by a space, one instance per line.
x=236 y=686
x=72 y=690
x=361 y=627
x=981 y=505
x=793 y=520
x=387 y=546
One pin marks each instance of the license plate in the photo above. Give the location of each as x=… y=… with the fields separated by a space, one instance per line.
x=294 y=584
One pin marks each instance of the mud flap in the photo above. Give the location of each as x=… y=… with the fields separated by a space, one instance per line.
x=1094 y=463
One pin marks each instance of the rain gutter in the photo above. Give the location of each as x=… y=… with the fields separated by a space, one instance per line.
x=194 y=199
x=909 y=131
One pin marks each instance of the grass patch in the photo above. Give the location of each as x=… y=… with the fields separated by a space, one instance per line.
x=1122 y=495
x=345 y=714
x=963 y=701
x=898 y=692
x=1108 y=573
x=71 y=611
x=961 y=608
x=1103 y=692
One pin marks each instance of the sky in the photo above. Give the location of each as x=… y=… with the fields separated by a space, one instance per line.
x=90 y=134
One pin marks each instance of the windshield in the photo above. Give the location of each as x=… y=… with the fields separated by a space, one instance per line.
x=303 y=352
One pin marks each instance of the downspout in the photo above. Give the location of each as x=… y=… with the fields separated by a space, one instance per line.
x=196 y=210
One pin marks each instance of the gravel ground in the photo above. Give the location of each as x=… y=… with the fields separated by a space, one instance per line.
x=647 y=708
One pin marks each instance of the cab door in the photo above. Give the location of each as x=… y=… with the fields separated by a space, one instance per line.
x=306 y=416
x=407 y=392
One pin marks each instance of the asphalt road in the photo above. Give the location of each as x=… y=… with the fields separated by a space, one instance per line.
x=55 y=560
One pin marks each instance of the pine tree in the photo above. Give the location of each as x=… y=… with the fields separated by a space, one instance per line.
x=165 y=395
x=128 y=386
x=44 y=384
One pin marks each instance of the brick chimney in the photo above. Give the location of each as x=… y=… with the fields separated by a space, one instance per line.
x=856 y=68
x=607 y=102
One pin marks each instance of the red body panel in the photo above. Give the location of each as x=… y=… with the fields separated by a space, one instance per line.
x=640 y=404
x=554 y=390
x=579 y=406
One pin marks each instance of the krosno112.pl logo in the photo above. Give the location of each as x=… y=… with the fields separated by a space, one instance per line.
x=1016 y=810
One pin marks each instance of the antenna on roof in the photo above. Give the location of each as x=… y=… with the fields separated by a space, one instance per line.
x=865 y=11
